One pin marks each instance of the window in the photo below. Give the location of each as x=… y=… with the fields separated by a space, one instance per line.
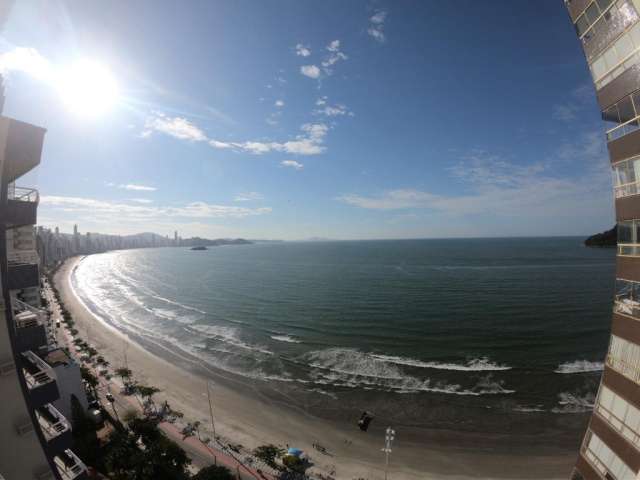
x=620 y=414
x=626 y=178
x=624 y=358
x=619 y=56
x=604 y=460
x=622 y=118
x=629 y=238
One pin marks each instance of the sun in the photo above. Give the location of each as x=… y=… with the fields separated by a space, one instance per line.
x=88 y=88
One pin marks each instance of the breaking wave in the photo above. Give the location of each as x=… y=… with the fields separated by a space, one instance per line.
x=285 y=338
x=573 y=403
x=474 y=365
x=579 y=366
x=343 y=367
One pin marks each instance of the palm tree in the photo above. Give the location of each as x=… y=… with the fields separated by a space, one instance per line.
x=125 y=374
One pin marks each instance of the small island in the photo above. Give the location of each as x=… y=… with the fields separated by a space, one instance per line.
x=604 y=239
x=200 y=247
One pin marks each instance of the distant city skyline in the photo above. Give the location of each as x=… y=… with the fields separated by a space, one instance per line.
x=245 y=120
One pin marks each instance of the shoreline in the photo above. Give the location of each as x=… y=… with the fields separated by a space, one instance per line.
x=252 y=419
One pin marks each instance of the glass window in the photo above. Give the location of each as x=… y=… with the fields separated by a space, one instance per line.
x=625 y=232
x=624 y=47
x=634 y=170
x=581 y=25
x=634 y=33
x=611 y=117
x=636 y=231
x=593 y=12
x=598 y=68
x=611 y=58
x=604 y=4
x=626 y=110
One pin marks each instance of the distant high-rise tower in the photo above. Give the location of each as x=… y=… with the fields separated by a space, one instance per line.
x=610 y=36
x=57 y=231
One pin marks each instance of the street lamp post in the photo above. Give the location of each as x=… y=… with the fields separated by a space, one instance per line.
x=389 y=435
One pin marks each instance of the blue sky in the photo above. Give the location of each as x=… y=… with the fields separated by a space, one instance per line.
x=298 y=119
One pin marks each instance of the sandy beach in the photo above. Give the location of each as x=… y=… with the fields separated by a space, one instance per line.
x=244 y=416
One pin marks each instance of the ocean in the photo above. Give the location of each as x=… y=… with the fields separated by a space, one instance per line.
x=479 y=335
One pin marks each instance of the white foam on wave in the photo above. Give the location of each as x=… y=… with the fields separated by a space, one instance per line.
x=344 y=367
x=573 y=403
x=579 y=366
x=481 y=364
x=228 y=335
x=285 y=338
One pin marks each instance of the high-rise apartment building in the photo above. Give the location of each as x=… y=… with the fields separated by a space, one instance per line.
x=34 y=435
x=610 y=35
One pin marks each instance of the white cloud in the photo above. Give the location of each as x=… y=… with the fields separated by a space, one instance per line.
x=497 y=187
x=141 y=200
x=279 y=103
x=292 y=164
x=310 y=71
x=128 y=212
x=334 y=46
x=332 y=110
x=302 y=50
x=26 y=60
x=376 y=26
x=308 y=143
x=177 y=127
x=333 y=57
x=321 y=101
x=137 y=187
x=248 y=197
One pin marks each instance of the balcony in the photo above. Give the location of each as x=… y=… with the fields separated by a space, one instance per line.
x=40 y=379
x=23 y=275
x=69 y=466
x=21 y=149
x=22 y=206
x=30 y=326
x=55 y=428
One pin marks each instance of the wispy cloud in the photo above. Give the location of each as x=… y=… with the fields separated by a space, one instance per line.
x=248 y=197
x=292 y=164
x=141 y=200
x=310 y=71
x=310 y=142
x=128 y=212
x=331 y=110
x=302 y=50
x=578 y=100
x=495 y=186
x=279 y=103
x=376 y=26
x=137 y=187
x=334 y=56
x=177 y=127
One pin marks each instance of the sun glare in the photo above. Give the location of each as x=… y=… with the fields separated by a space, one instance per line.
x=88 y=88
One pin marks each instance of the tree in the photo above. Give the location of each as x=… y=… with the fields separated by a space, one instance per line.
x=85 y=440
x=125 y=374
x=214 y=472
x=90 y=378
x=269 y=453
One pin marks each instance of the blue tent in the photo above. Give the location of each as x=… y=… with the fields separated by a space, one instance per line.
x=296 y=452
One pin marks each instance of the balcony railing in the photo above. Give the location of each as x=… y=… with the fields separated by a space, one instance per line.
x=27 y=316
x=16 y=256
x=51 y=421
x=69 y=465
x=23 y=194
x=626 y=190
x=629 y=249
x=37 y=372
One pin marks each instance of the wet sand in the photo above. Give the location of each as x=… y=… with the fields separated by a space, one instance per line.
x=244 y=415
